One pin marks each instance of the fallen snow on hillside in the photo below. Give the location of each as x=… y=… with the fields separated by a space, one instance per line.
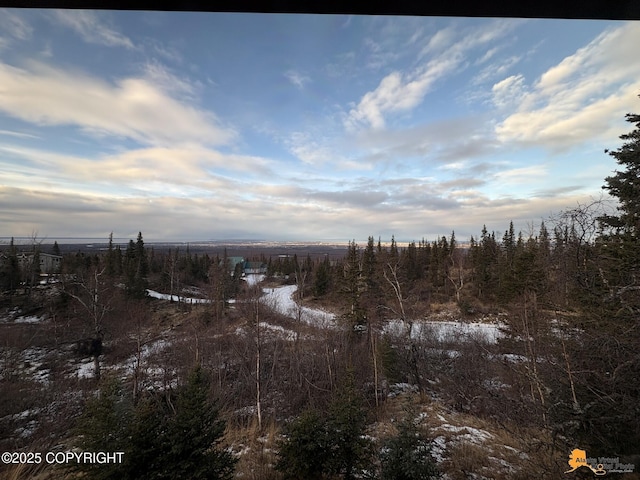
x=447 y=331
x=176 y=298
x=281 y=300
x=147 y=351
x=29 y=363
x=271 y=330
x=86 y=368
x=253 y=278
x=15 y=315
x=29 y=319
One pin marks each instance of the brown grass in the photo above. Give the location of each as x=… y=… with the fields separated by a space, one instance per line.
x=255 y=449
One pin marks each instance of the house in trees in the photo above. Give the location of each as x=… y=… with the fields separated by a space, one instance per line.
x=233 y=261
x=255 y=268
x=48 y=263
x=247 y=266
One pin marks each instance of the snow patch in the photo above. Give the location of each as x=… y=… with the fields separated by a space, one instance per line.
x=281 y=300
x=176 y=298
x=446 y=331
x=86 y=369
x=253 y=278
x=29 y=319
x=474 y=435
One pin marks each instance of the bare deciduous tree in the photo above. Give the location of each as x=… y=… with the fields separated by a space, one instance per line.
x=94 y=294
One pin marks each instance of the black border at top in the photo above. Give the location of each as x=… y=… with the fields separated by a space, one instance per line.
x=569 y=9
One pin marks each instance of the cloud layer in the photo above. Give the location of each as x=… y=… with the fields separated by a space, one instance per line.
x=131 y=108
x=412 y=127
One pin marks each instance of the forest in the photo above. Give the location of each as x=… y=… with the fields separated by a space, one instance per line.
x=491 y=358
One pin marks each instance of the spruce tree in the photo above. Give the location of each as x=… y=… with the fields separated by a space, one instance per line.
x=103 y=427
x=136 y=268
x=353 y=284
x=194 y=434
x=407 y=456
x=350 y=450
x=625 y=184
x=146 y=444
x=10 y=269
x=304 y=452
x=110 y=259
x=322 y=278
x=602 y=402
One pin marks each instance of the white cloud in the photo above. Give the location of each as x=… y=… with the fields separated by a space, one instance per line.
x=13 y=25
x=488 y=55
x=496 y=70
x=407 y=207
x=307 y=150
x=315 y=150
x=574 y=101
x=164 y=78
x=297 y=79
x=133 y=108
x=522 y=175
x=403 y=91
x=11 y=133
x=157 y=171
x=91 y=28
x=440 y=40
x=509 y=91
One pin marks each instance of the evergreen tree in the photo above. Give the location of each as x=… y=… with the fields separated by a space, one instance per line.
x=409 y=263
x=607 y=385
x=316 y=446
x=322 y=278
x=350 y=450
x=600 y=403
x=390 y=361
x=110 y=259
x=194 y=433
x=147 y=444
x=369 y=263
x=103 y=427
x=10 y=269
x=137 y=268
x=160 y=439
x=304 y=452
x=507 y=277
x=393 y=249
x=625 y=184
x=353 y=284
x=118 y=261
x=142 y=263
x=407 y=456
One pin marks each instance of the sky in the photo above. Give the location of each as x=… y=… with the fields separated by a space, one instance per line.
x=211 y=126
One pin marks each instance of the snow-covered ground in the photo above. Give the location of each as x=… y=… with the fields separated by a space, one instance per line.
x=28 y=363
x=86 y=368
x=447 y=331
x=176 y=298
x=281 y=300
x=29 y=319
x=15 y=316
x=253 y=278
